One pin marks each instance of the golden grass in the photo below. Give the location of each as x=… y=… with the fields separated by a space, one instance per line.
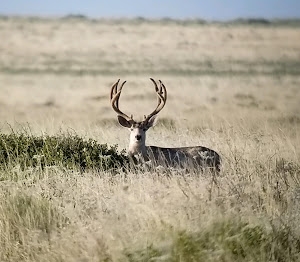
x=234 y=89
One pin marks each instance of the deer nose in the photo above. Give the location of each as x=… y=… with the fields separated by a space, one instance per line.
x=138 y=137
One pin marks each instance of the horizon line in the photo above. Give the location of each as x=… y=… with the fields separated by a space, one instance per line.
x=148 y=18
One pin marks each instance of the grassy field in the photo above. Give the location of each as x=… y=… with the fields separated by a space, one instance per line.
x=232 y=87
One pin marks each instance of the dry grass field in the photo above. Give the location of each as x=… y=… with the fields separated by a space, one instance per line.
x=234 y=88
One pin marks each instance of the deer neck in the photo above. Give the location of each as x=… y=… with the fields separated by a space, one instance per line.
x=137 y=149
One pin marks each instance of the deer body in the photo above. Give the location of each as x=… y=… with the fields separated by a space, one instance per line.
x=182 y=157
x=198 y=157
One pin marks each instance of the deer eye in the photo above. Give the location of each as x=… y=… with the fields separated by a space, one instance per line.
x=131 y=129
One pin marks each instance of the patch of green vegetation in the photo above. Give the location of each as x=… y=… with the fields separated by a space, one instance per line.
x=263 y=22
x=251 y=21
x=243 y=96
x=246 y=100
x=190 y=68
x=64 y=150
x=287 y=167
x=225 y=240
x=165 y=20
x=150 y=253
x=288 y=120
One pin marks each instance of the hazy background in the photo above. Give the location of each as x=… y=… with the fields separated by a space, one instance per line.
x=211 y=10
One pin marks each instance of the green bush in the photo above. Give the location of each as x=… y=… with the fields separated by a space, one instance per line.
x=66 y=150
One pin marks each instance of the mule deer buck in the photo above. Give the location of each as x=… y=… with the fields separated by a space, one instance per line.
x=198 y=157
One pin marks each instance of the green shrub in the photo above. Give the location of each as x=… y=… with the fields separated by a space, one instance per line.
x=67 y=150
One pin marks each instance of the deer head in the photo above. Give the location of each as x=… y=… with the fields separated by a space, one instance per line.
x=137 y=129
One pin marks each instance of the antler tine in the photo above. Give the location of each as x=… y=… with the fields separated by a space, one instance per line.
x=114 y=99
x=157 y=90
x=113 y=90
x=120 y=89
x=155 y=84
x=162 y=86
x=161 y=93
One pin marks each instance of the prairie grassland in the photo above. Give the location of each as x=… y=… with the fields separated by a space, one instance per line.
x=233 y=88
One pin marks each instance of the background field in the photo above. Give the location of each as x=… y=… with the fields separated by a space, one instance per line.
x=233 y=87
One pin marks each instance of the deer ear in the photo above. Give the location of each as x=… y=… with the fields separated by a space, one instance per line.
x=152 y=121
x=123 y=122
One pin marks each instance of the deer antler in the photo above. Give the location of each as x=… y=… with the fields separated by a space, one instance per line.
x=161 y=93
x=114 y=99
